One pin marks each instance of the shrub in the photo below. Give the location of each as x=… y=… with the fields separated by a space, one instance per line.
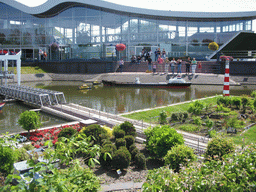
x=120 y=142
x=175 y=116
x=106 y=160
x=118 y=133
x=196 y=107
x=197 y=120
x=245 y=101
x=97 y=132
x=209 y=123
x=212 y=133
x=121 y=158
x=129 y=140
x=236 y=172
x=253 y=94
x=28 y=147
x=236 y=101
x=133 y=146
x=218 y=147
x=109 y=131
x=220 y=108
x=105 y=142
x=67 y=132
x=160 y=139
x=29 y=120
x=232 y=122
x=134 y=152
x=7 y=158
x=128 y=128
x=162 y=118
x=179 y=155
x=21 y=154
x=226 y=101
x=179 y=116
x=140 y=161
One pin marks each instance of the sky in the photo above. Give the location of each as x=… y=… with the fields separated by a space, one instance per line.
x=178 y=5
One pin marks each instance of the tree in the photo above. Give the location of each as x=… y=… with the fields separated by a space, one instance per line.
x=29 y=120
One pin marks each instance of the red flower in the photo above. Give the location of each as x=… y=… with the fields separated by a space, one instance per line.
x=37 y=146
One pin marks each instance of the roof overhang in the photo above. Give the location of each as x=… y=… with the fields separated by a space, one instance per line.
x=53 y=7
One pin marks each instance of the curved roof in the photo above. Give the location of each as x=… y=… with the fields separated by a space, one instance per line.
x=53 y=7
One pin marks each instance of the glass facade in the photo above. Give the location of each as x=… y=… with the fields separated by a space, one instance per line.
x=80 y=32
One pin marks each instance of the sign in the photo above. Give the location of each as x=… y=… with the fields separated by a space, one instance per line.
x=249 y=53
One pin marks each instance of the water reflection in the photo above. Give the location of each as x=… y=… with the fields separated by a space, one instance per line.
x=111 y=99
x=120 y=99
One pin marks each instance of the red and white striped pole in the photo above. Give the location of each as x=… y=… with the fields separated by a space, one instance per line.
x=226 y=78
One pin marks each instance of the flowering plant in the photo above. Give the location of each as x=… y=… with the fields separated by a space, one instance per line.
x=39 y=137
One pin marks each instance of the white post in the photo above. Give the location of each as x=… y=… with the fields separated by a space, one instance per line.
x=5 y=71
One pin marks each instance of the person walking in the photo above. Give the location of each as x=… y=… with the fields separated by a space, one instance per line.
x=172 y=64
x=149 y=62
x=179 y=66
x=194 y=64
x=167 y=63
x=188 y=63
x=121 y=64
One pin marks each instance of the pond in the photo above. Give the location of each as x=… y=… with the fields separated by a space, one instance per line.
x=110 y=99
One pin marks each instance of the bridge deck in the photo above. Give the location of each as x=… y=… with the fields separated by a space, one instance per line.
x=35 y=96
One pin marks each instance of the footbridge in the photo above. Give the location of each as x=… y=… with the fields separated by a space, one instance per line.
x=33 y=96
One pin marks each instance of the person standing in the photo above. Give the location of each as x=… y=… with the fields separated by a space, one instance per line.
x=163 y=54
x=179 y=66
x=200 y=67
x=167 y=63
x=154 y=67
x=160 y=62
x=121 y=64
x=158 y=53
x=149 y=61
x=173 y=63
x=188 y=63
x=194 y=64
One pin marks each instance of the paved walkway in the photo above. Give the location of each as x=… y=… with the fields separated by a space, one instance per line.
x=197 y=79
x=121 y=186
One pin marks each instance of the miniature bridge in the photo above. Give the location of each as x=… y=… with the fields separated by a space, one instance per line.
x=34 y=96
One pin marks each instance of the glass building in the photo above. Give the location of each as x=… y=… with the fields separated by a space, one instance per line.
x=87 y=29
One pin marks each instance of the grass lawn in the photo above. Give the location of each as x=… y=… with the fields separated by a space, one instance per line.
x=151 y=115
x=28 y=70
x=248 y=136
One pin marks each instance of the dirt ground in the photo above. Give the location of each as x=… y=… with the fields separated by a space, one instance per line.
x=130 y=174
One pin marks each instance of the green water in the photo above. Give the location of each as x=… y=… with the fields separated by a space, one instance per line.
x=110 y=99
